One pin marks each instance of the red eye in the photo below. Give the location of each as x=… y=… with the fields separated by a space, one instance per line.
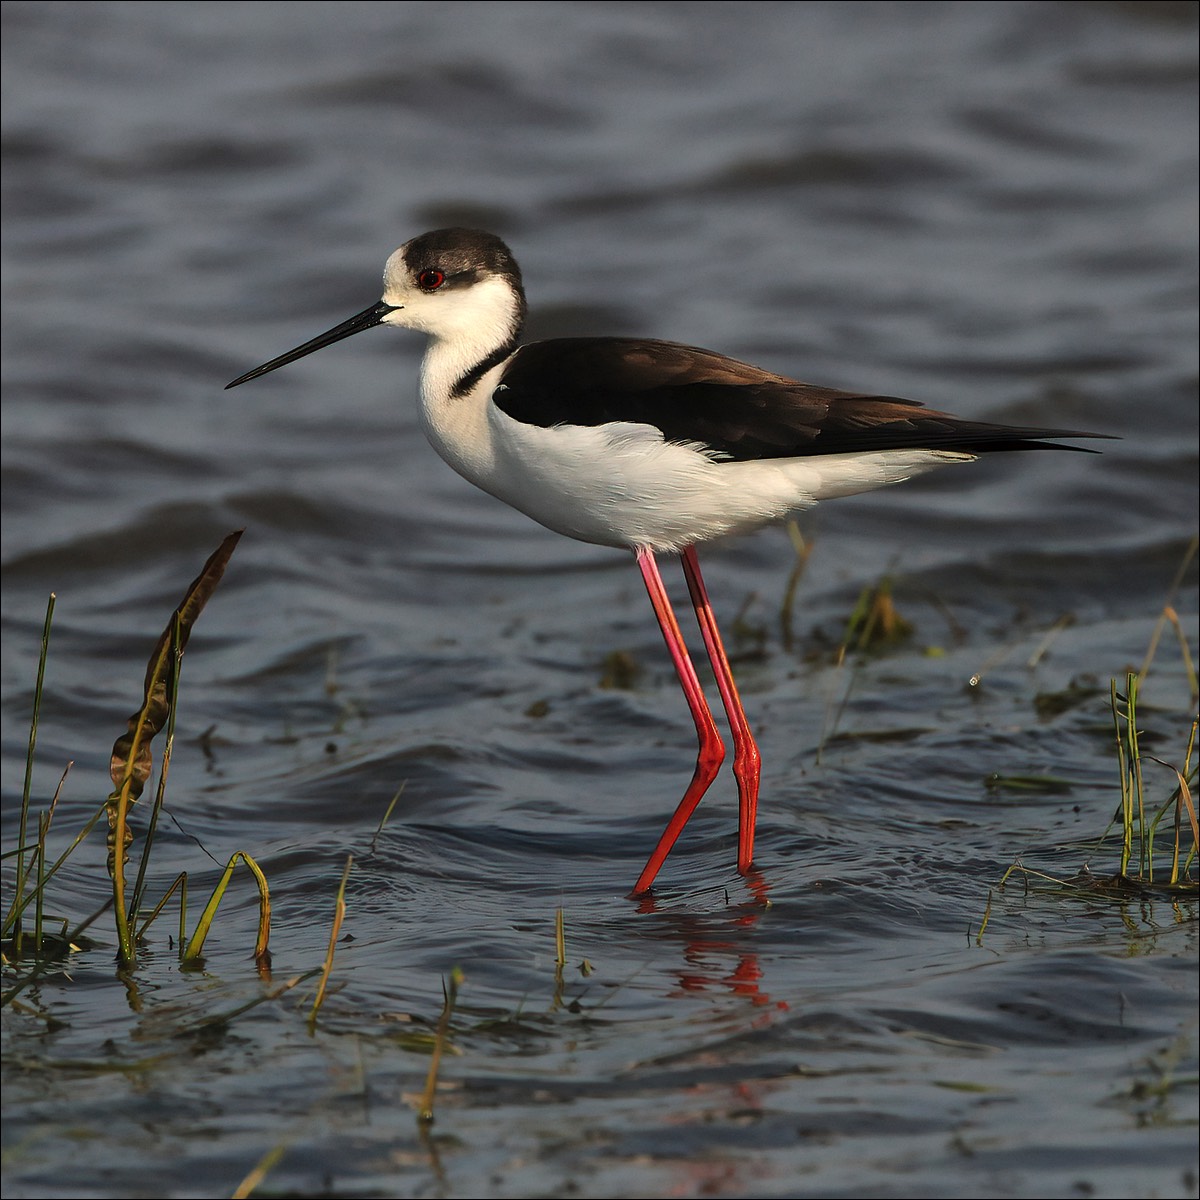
x=431 y=280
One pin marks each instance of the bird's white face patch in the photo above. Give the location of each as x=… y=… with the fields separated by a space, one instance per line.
x=478 y=314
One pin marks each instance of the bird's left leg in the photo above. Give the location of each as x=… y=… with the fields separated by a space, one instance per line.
x=747 y=763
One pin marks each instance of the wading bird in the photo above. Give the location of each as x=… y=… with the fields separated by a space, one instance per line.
x=645 y=445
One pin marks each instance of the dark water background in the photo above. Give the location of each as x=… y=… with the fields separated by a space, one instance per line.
x=988 y=207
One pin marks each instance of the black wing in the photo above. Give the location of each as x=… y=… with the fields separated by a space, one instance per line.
x=730 y=407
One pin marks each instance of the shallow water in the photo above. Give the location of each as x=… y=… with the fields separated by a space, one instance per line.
x=988 y=207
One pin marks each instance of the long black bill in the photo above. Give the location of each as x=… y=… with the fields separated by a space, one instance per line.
x=366 y=319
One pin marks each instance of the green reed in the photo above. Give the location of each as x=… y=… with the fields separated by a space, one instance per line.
x=131 y=766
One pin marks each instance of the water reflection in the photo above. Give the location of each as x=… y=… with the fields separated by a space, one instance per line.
x=710 y=959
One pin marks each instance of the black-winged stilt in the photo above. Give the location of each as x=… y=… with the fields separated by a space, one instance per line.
x=645 y=445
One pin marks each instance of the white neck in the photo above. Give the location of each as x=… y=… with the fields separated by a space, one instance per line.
x=460 y=338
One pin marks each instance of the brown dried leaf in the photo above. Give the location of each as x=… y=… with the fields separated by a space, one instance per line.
x=152 y=716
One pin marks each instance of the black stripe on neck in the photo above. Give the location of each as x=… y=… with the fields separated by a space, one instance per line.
x=466 y=382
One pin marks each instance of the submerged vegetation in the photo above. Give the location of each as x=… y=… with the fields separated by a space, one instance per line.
x=1159 y=836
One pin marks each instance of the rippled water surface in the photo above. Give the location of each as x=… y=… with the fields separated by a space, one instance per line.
x=987 y=207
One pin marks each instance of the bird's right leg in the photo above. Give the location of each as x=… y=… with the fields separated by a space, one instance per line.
x=711 y=751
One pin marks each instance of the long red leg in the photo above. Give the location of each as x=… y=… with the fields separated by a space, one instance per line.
x=747 y=763
x=711 y=751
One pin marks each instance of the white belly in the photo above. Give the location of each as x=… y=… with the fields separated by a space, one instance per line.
x=621 y=485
